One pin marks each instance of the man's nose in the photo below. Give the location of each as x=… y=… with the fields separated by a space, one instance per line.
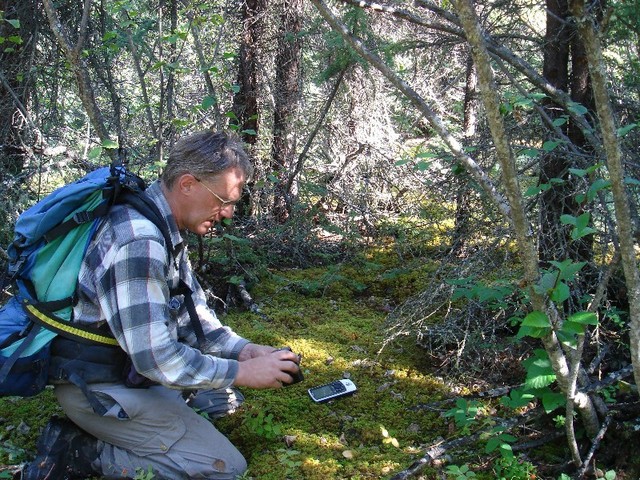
x=227 y=211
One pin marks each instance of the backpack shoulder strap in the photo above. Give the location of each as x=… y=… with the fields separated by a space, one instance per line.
x=150 y=210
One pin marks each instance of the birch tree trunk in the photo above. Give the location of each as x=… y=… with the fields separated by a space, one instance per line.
x=586 y=27
x=524 y=237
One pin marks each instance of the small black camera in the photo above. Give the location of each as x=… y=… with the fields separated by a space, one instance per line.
x=297 y=376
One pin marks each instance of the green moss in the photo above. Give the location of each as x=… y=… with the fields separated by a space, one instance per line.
x=334 y=318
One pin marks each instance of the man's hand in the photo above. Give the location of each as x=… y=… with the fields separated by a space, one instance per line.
x=265 y=367
x=253 y=350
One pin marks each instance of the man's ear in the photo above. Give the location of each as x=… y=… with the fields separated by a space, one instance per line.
x=186 y=183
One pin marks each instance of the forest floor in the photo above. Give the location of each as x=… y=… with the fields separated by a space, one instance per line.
x=334 y=317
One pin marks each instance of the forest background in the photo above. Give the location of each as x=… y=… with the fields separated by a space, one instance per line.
x=481 y=155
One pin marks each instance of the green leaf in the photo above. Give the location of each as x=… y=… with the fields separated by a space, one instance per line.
x=583 y=220
x=539 y=371
x=598 y=185
x=550 y=145
x=622 y=131
x=533 y=332
x=536 y=319
x=578 y=172
x=558 y=122
x=94 y=153
x=560 y=293
x=529 y=152
x=584 y=318
x=15 y=23
x=631 y=181
x=552 y=400
x=208 y=102
x=517 y=398
x=579 y=233
x=572 y=328
x=422 y=166
x=567 y=219
x=577 y=108
x=109 y=144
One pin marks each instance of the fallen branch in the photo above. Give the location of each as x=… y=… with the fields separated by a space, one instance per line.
x=248 y=302
x=436 y=451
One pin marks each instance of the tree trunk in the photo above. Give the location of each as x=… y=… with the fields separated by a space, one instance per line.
x=463 y=192
x=526 y=245
x=245 y=101
x=287 y=94
x=17 y=131
x=624 y=223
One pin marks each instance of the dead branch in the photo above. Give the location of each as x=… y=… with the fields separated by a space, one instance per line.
x=436 y=451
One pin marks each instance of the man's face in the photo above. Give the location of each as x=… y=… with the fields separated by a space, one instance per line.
x=213 y=199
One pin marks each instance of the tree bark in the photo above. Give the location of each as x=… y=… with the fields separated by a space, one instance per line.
x=586 y=26
x=524 y=237
x=287 y=94
x=245 y=101
x=17 y=129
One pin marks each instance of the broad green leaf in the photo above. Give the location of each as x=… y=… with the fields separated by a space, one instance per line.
x=583 y=220
x=539 y=371
x=422 y=166
x=568 y=269
x=558 y=122
x=552 y=400
x=560 y=293
x=567 y=219
x=536 y=319
x=598 y=185
x=572 y=328
x=584 y=318
x=533 y=332
x=109 y=144
x=578 y=172
x=15 y=23
x=631 y=181
x=583 y=232
x=577 y=108
x=94 y=153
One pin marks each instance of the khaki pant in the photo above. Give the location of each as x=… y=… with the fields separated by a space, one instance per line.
x=152 y=428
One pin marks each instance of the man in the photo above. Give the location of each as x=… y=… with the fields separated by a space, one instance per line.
x=126 y=281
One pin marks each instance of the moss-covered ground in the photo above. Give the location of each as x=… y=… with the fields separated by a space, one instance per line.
x=337 y=327
x=334 y=317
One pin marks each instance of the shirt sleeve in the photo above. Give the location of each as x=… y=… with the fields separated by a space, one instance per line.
x=135 y=300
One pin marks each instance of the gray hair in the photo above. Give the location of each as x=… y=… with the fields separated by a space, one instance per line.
x=205 y=154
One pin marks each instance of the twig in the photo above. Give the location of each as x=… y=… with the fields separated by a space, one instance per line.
x=436 y=451
x=594 y=446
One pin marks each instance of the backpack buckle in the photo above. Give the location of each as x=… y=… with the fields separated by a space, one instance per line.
x=82 y=217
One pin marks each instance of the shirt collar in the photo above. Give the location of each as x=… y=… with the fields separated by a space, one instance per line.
x=155 y=193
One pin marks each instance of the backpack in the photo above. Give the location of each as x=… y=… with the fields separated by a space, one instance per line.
x=50 y=241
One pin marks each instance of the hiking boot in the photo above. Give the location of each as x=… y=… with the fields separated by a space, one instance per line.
x=63 y=451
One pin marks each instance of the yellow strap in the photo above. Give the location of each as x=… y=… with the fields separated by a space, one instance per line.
x=69 y=328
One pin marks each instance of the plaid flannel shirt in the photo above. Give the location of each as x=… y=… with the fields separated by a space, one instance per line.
x=125 y=281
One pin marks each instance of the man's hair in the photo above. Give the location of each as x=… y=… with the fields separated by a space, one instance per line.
x=205 y=154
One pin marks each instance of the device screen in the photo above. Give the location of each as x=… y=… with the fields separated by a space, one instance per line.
x=324 y=391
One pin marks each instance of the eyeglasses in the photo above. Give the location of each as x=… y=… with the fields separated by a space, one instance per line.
x=225 y=203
